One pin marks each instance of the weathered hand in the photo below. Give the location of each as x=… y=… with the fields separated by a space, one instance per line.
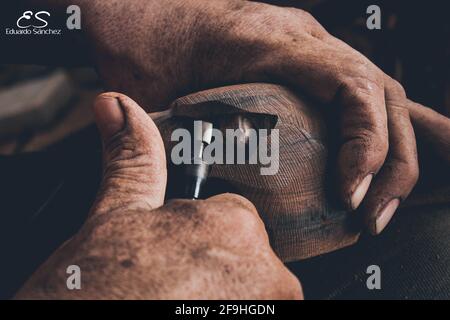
x=158 y=50
x=134 y=247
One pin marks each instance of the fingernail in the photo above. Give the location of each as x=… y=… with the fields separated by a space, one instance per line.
x=361 y=191
x=109 y=116
x=386 y=214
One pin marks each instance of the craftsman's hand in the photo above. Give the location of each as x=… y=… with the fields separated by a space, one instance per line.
x=158 y=50
x=134 y=247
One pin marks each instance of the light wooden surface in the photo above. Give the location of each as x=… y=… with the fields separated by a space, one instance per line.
x=44 y=108
x=33 y=104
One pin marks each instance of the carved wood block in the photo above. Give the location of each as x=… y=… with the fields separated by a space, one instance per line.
x=299 y=215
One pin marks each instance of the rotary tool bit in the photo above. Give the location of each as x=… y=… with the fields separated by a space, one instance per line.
x=196 y=173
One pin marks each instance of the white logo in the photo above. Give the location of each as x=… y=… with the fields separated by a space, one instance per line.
x=36 y=23
x=28 y=15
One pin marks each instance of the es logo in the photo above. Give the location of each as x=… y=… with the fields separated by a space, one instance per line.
x=38 y=20
x=24 y=21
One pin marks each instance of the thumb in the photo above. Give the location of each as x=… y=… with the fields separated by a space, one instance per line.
x=133 y=155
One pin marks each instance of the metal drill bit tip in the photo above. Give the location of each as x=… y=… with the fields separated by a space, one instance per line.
x=203 y=131
x=197 y=172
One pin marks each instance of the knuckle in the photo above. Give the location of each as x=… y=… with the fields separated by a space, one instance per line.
x=307 y=17
x=112 y=94
x=363 y=97
x=234 y=204
x=123 y=153
x=367 y=137
x=122 y=147
x=236 y=214
x=285 y=283
x=361 y=70
x=365 y=79
x=241 y=202
x=395 y=89
x=246 y=221
x=246 y=230
x=367 y=123
x=184 y=206
x=297 y=16
x=294 y=288
x=371 y=156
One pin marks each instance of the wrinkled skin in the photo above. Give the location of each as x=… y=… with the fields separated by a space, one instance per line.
x=155 y=51
x=134 y=247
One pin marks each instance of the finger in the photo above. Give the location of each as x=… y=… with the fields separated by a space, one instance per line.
x=337 y=74
x=363 y=129
x=133 y=152
x=333 y=72
x=289 y=287
x=428 y=124
x=433 y=127
x=240 y=211
x=236 y=200
x=397 y=177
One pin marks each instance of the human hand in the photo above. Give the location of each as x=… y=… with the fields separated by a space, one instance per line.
x=134 y=247
x=155 y=51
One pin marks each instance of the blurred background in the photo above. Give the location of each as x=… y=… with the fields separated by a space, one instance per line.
x=40 y=106
x=50 y=155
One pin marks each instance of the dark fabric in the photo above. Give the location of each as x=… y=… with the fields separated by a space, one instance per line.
x=413 y=254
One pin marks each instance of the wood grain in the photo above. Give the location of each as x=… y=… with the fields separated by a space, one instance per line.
x=300 y=217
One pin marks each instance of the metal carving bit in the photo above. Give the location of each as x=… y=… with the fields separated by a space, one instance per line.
x=196 y=173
